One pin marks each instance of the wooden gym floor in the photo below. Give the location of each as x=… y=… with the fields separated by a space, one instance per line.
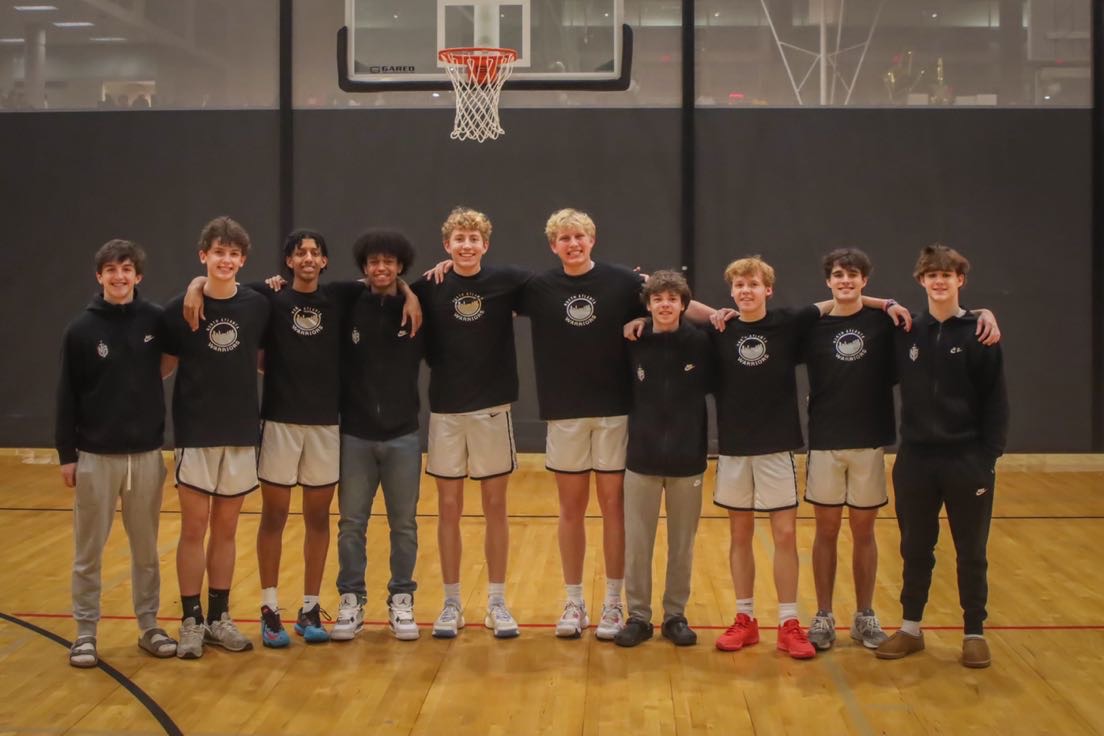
x=1046 y=629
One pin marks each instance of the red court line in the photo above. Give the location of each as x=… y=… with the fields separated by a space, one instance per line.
x=1038 y=627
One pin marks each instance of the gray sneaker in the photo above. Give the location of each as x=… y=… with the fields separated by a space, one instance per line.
x=192 y=634
x=866 y=629
x=822 y=631
x=225 y=634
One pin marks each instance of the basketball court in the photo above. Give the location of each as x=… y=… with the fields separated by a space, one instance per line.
x=518 y=107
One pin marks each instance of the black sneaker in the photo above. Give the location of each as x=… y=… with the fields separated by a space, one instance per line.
x=678 y=631
x=636 y=631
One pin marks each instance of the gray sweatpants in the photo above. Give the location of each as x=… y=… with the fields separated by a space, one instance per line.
x=684 y=503
x=101 y=481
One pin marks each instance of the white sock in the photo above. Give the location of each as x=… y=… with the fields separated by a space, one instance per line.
x=911 y=627
x=746 y=606
x=496 y=593
x=613 y=589
x=575 y=594
x=310 y=601
x=786 y=611
x=268 y=598
x=452 y=593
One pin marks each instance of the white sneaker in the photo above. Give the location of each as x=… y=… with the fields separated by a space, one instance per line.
x=225 y=634
x=350 y=618
x=449 y=623
x=192 y=634
x=400 y=614
x=573 y=621
x=612 y=621
x=499 y=619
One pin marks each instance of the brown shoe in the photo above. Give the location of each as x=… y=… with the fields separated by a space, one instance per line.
x=900 y=645
x=975 y=653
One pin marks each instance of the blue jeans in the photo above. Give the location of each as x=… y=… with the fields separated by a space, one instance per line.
x=365 y=465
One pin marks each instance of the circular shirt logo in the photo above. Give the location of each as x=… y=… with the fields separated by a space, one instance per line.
x=468 y=307
x=752 y=350
x=222 y=335
x=580 y=310
x=306 y=320
x=850 y=345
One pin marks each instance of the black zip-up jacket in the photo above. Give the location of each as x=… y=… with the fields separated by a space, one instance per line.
x=952 y=386
x=671 y=374
x=110 y=399
x=379 y=370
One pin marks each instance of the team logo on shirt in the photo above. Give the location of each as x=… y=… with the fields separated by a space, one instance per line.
x=850 y=345
x=306 y=321
x=640 y=373
x=101 y=349
x=222 y=335
x=468 y=306
x=914 y=353
x=580 y=310
x=356 y=336
x=752 y=350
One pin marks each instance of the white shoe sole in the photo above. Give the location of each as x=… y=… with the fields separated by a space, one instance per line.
x=407 y=635
x=606 y=634
x=336 y=635
x=572 y=631
x=489 y=623
x=448 y=633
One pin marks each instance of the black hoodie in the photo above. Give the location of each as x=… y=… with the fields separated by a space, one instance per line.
x=952 y=386
x=671 y=374
x=110 y=398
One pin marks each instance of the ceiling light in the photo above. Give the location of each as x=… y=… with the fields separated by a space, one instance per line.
x=11 y=40
x=35 y=8
x=107 y=39
x=74 y=24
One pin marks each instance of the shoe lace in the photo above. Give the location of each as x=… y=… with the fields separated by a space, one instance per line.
x=272 y=619
x=739 y=626
x=794 y=631
x=612 y=613
x=449 y=613
x=868 y=624
x=572 y=611
x=821 y=624
x=403 y=612
x=499 y=613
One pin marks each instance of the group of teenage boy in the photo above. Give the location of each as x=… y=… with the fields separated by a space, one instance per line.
x=623 y=365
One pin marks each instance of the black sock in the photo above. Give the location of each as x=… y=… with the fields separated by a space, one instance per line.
x=192 y=609
x=218 y=603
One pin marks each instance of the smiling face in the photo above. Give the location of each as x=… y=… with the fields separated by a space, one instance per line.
x=382 y=270
x=666 y=308
x=466 y=247
x=750 y=293
x=223 y=260
x=118 y=279
x=306 y=262
x=942 y=287
x=846 y=284
x=573 y=246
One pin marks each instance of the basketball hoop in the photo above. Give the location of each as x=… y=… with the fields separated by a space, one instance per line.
x=477 y=76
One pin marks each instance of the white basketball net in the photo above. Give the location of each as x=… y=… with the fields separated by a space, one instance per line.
x=477 y=76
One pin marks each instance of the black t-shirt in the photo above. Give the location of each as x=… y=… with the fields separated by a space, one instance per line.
x=379 y=369
x=578 y=347
x=215 y=399
x=757 y=396
x=851 y=373
x=301 y=353
x=470 y=338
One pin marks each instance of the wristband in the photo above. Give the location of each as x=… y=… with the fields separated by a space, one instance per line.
x=889 y=303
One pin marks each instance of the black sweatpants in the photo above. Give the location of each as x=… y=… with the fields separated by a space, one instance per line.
x=963 y=479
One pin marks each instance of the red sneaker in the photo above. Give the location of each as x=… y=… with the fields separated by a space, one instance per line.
x=743 y=632
x=793 y=641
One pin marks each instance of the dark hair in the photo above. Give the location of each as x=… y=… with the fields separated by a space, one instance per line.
x=847 y=258
x=383 y=242
x=296 y=237
x=227 y=230
x=661 y=281
x=938 y=257
x=117 y=251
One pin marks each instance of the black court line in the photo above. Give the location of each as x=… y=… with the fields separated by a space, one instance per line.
x=881 y=517
x=140 y=695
